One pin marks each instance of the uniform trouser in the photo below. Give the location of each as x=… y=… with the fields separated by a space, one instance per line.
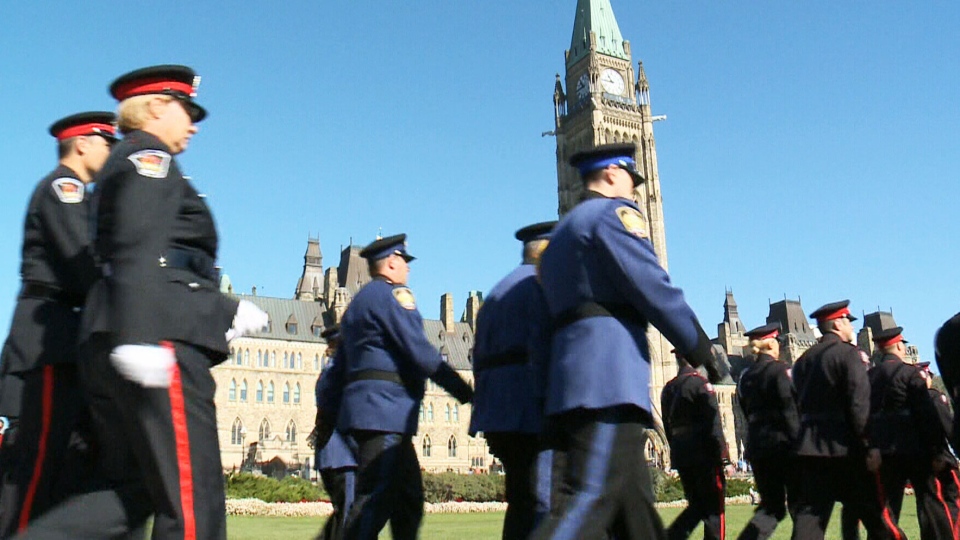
x=774 y=478
x=526 y=478
x=937 y=513
x=49 y=448
x=600 y=478
x=822 y=481
x=389 y=486
x=158 y=453
x=704 y=486
x=340 y=485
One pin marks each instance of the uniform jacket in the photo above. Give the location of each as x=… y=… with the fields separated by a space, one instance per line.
x=833 y=398
x=944 y=425
x=767 y=398
x=335 y=454
x=513 y=327
x=56 y=254
x=600 y=253
x=691 y=419
x=901 y=413
x=146 y=210
x=382 y=333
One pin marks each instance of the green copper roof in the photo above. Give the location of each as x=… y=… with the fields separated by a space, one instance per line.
x=595 y=16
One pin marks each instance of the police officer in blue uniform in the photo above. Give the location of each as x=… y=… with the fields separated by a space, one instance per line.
x=766 y=396
x=603 y=285
x=40 y=389
x=335 y=460
x=377 y=383
x=513 y=327
x=698 y=451
x=836 y=461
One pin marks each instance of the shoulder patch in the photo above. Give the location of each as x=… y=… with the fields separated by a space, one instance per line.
x=790 y=373
x=68 y=190
x=404 y=297
x=151 y=163
x=632 y=221
x=943 y=398
x=709 y=387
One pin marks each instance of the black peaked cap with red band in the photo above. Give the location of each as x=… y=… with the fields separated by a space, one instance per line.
x=100 y=123
x=833 y=310
x=889 y=336
x=172 y=80
x=767 y=331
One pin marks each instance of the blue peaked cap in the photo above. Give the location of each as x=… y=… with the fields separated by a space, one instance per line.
x=605 y=155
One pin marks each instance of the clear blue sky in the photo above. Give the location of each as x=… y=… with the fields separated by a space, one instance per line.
x=810 y=150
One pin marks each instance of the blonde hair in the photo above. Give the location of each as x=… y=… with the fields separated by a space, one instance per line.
x=132 y=113
x=762 y=345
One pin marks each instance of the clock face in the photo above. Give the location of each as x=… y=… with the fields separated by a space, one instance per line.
x=583 y=86
x=612 y=81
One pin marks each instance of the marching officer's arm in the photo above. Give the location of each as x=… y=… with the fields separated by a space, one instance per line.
x=64 y=212
x=329 y=392
x=644 y=284
x=858 y=395
x=405 y=327
x=788 y=403
x=666 y=401
x=538 y=341
x=923 y=411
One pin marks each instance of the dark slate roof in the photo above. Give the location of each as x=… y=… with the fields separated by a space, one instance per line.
x=456 y=345
x=282 y=310
x=879 y=320
x=352 y=272
x=792 y=319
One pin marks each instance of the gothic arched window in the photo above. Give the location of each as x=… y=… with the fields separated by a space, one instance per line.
x=286 y=392
x=452 y=447
x=291 y=432
x=296 y=393
x=232 y=396
x=243 y=391
x=236 y=432
x=264 y=431
x=270 y=393
x=259 y=391
x=426 y=446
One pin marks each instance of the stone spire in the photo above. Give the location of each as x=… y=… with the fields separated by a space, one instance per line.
x=310 y=285
x=595 y=28
x=730 y=314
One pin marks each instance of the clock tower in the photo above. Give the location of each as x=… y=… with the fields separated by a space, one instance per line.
x=607 y=101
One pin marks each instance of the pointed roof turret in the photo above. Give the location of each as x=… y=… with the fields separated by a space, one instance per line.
x=731 y=315
x=595 y=17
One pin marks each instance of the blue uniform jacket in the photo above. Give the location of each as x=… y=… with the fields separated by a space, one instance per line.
x=381 y=331
x=513 y=321
x=600 y=252
x=335 y=454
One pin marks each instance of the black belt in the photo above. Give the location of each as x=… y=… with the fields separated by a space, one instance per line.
x=621 y=312
x=509 y=358
x=197 y=262
x=376 y=375
x=49 y=292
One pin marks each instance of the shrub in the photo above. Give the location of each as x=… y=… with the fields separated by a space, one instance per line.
x=290 y=489
x=445 y=487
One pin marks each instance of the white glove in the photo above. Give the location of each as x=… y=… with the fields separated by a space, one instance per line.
x=150 y=366
x=249 y=319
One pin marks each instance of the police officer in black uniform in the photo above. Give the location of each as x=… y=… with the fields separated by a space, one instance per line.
x=944 y=482
x=157 y=322
x=377 y=383
x=947 y=351
x=835 y=459
x=513 y=327
x=903 y=426
x=40 y=391
x=698 y=451
x=766 y=396
x=335 y=460
x=603 y=285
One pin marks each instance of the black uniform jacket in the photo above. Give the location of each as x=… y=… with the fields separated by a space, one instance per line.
x=945 y=426
x=767 y=398
x=902 y=417
x=691 y=419
x=57 y=270
x=157 y=244
x=833 y=398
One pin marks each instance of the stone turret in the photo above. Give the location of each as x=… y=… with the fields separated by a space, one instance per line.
x=310 y=285
x=446 y=313
x=474 y=301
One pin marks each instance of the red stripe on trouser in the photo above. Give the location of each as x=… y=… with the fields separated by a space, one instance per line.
x=887 y=519
x=46 y=411
x=956 y=524
x=178 y=413
x=723 y=524
x=946 y=510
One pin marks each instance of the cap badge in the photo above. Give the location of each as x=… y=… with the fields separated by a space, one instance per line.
x=68 y=190
x=404 y=297
x=151 y=163
x=633 y=221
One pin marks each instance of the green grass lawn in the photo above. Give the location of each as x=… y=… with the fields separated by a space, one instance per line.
x=487 y=526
